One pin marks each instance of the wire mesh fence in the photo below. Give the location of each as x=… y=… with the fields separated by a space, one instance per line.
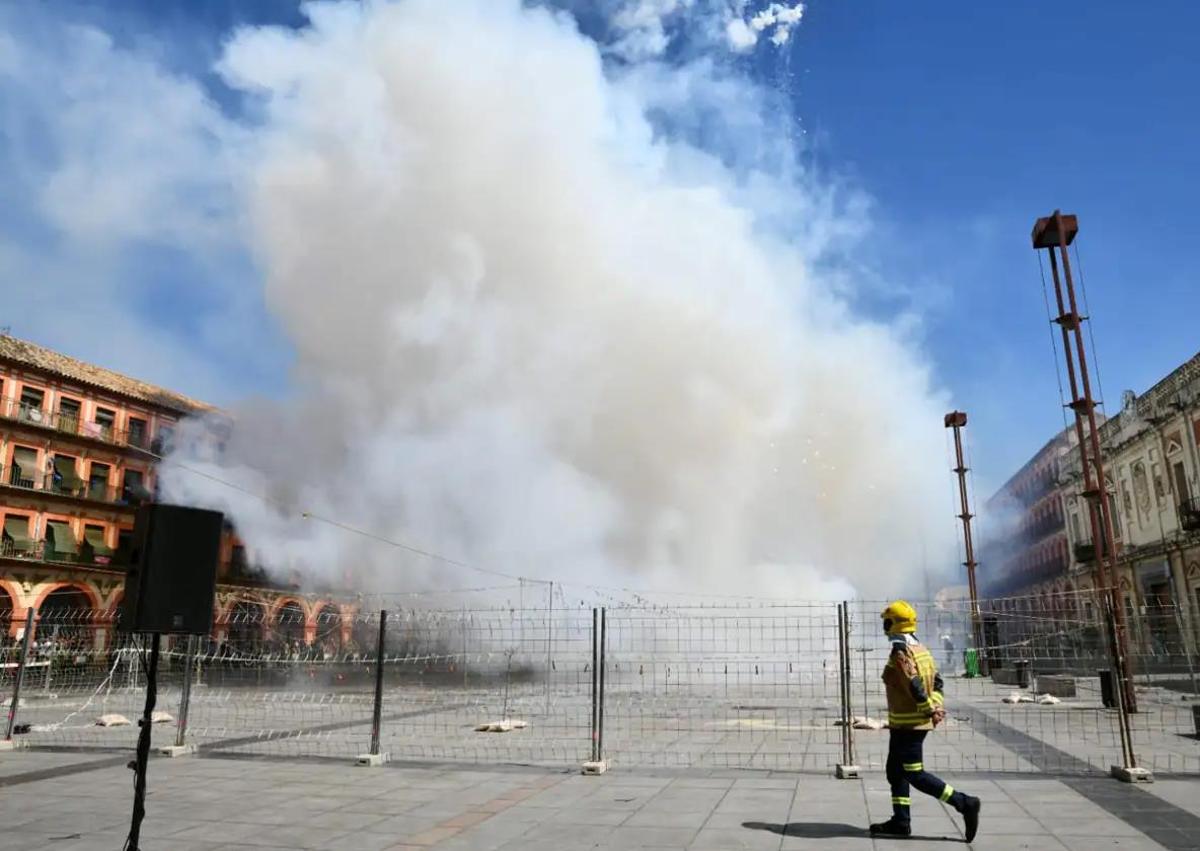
x=757 y=686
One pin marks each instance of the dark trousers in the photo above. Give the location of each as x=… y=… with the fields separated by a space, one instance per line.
x=906 y=767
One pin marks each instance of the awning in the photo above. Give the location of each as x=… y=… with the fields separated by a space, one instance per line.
x=17 y=528
x=95 y=539
x=26 y=460
x=58 y=533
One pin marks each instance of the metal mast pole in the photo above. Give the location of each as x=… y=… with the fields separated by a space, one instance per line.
x=956 y=420
x=1054 y=233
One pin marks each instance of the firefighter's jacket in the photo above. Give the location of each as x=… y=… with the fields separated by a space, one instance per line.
x=913 y=686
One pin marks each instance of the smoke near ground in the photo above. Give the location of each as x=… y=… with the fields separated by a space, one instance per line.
x=543 y=330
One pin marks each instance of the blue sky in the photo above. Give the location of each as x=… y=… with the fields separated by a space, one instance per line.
x=966 y=121
x=962 y=121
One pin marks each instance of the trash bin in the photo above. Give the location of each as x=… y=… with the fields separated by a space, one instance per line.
x=971 y=662
x=1108 y=692
x=1021 y=666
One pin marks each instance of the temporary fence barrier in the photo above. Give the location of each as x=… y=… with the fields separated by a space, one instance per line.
x=775 y=686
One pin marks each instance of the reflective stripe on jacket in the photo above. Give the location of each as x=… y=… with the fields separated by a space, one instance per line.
x=911 y=704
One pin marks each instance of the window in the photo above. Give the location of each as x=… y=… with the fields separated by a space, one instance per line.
x=68 y=415
x=105 y=420
x=1075 y=527
x=1160 y=488
x=137 y=432
x=95 y=549
x=60 y=540
x=1181 y=484
x=237 y=561
x=133 y=488
x=23 y=470
x=1116 y=518
x=124 y=546
x=14 y=535
x=162 y=443
x=98 y=481
x=65 y=476
x=31 y=404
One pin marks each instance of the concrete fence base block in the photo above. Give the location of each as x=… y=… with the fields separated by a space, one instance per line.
x=175 y=750
x=846 y=772
x=8 y=745
x=595 y=767
x=1132 y=775
x=372 y=760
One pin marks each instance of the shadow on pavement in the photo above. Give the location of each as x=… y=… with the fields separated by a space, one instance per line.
x=821 y=830
x=808 y=830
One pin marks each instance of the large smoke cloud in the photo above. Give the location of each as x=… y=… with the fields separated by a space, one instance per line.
x=538 y=333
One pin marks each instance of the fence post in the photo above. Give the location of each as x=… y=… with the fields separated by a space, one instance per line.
x=600 y=725
x=20 y=675
x=185 y=700
x=549 y=643
x=595 y=676
x=848 y=769
x=596 y=764
x=1129 y=771
x=374 y=757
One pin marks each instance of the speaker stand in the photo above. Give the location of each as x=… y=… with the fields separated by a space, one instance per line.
x=143 y=748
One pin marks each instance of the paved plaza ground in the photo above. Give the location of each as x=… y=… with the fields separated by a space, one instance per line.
x=69 y=801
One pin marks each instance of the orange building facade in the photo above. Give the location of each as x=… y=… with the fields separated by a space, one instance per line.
x=78 y=452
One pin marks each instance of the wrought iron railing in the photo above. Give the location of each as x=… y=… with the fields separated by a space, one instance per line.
x=44 y=551
x=69 y=422
x=96 y=491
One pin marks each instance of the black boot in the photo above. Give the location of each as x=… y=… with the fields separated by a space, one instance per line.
x=970 y=813
x=892 y=827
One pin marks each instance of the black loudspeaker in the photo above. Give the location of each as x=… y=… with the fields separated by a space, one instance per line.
x=172 y=575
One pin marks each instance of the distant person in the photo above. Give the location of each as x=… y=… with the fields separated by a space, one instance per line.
x=948 y=646
x=914 y=698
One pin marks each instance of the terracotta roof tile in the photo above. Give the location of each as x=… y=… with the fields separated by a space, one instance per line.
x=33 y=356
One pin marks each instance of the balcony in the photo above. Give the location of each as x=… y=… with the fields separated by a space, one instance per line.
x=1189 y=514
x=69 y=423
x=1043 y=528
x=1085 y=553
x=106 y=492
x=43 y=552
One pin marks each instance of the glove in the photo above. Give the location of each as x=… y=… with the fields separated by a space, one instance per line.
x=938 y=716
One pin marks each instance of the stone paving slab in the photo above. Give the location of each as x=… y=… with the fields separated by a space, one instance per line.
x=68 y=801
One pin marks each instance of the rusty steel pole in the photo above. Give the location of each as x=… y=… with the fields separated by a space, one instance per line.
x=1054 y=233
x=956 y=420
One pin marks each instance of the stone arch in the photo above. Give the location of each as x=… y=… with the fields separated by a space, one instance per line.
x=66 y=614
x=89 y=593
x=329 y=620
x=245 y=624
x=290 y=621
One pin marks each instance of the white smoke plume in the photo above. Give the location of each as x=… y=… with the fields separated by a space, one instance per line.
x=539 y=335
x=743 y=28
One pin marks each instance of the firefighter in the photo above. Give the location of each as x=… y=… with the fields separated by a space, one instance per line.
x=914 y=698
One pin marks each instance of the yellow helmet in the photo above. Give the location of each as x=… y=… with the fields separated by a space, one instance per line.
x=899 y=617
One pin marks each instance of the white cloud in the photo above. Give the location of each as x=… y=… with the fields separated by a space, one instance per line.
x=110 y=166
